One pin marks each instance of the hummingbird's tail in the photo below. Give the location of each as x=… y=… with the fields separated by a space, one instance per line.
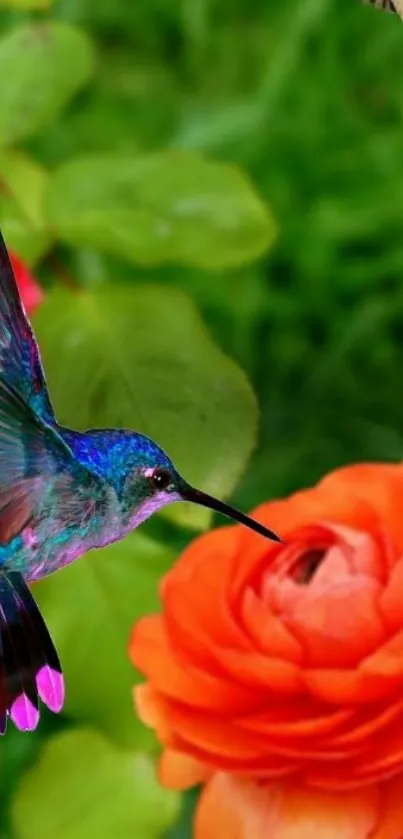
x=29 y=665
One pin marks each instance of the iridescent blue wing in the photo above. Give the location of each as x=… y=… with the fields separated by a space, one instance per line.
x=39 y=476
x=20 y=361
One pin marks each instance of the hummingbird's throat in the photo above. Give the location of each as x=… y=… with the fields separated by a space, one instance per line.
x=204 y=500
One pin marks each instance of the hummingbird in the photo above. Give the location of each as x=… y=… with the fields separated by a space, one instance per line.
x=62 y=493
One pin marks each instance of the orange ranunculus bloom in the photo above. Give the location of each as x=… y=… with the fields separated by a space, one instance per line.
x=275 y=672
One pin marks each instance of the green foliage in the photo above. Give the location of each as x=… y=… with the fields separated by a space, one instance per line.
x=145 y=148
x=123 y=800
x=169 y=207
x=22 y=220
x=44 y=65
x=26 y=4
x=140 y=357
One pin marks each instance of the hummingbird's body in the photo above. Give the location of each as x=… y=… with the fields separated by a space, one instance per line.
x=51 y=542
x=62 y=493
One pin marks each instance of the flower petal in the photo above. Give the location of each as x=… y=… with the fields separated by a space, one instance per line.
x=387 y=661
x=269 y=635
x=208 y=618
x=179 y=771
x=378 y=484
x=150 y=651
x=391 y=599
x=351 y=686
x=235 y=809
x=298 y=725
x=391 y=821
x=317 y=505
x=340 y=625
x=151 y=711
x=258 y=671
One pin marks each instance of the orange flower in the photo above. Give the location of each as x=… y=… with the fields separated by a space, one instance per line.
x=275 y=672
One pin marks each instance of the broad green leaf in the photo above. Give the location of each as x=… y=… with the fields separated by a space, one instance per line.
x=90 y=608
x=84 y=786
x=45 y=65
x=161 y=208
x=17 y=754
x=140 y=357
x=22 y=185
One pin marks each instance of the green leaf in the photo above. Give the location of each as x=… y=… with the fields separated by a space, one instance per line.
x=22 y=186
x=140 y=357
x=84 y=786
x=45 y=65
x=18 y=753
x=162 y=208
x=90 y=608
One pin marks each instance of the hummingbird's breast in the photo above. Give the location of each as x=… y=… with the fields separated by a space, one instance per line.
x=35 y=555
x=49 y=544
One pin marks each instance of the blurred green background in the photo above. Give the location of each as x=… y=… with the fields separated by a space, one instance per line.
x=202 y=187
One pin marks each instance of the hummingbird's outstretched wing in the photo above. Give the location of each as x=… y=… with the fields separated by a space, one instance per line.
x=20 y=361
x=29 y=665
x=39 y=476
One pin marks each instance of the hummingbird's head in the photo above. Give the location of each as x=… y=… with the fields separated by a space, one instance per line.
x=153 y=482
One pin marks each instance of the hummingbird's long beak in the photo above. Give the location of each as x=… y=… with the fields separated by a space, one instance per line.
x=189 y=493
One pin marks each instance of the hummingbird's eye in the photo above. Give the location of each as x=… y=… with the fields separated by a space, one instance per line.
x=161 y=479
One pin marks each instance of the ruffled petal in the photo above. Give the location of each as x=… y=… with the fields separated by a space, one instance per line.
x=338 y=626
x=151 y=711
x=387 y=661
x=235 y=809
x=391 y=599
x=391 y=810
x=368 y=722
x=221 y=543
x=215 y=735
x=180 y=771
x=378 y=484
x=258 y=671
x=340 y=687
x=208 y=619
x=151 y=653
x=296 y=726
x=269 y=635
x=316 y=505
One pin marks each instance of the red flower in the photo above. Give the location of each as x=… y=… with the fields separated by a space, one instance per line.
x=31 y=293
x=275 y=673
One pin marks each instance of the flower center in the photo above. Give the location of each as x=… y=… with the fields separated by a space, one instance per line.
x=304 y=568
